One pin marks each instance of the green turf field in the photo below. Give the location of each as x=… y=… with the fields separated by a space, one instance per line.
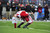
x=35 y=27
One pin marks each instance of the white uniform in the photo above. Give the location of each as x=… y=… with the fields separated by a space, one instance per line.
x=30 y=20
x=19 y=12
x=15 y=19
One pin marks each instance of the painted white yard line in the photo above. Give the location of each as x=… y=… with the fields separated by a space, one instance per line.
x=44 y=24
x=40 y=29
x=5 y=26
x=30 y=28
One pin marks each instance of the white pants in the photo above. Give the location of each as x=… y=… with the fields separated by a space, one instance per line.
x=35 y=15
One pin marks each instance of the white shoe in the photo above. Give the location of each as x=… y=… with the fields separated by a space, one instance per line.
x=44 y=20
x=47 y=20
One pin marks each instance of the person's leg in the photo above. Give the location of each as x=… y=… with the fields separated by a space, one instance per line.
x=6 y=14
x=44 y=15
x=14 y=21
x=14 y=25
x=36 y=14
x=47 y=16
x=9 y=15
x=1 y=15
x=41 y=16
x=19 y=26
x=12 y=13
x=26 y=25
x=29 y=22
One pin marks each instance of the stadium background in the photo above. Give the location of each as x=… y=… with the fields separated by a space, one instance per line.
x=27 y=1
x=35 y=2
